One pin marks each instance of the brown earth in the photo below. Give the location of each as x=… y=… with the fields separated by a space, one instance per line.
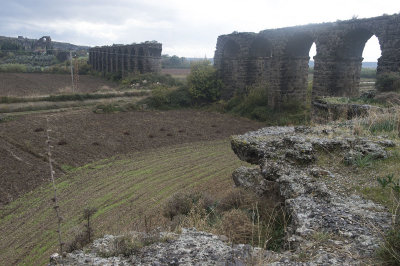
x=176 y=71
x=34 y=84
x=81 y=136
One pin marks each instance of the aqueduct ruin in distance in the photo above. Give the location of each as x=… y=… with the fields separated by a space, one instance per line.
x=279 y=57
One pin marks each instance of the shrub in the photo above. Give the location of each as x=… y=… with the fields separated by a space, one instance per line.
x=203 y=84
x=389 y=81
x=179 y=203
x=180 y=97
x=160 y=96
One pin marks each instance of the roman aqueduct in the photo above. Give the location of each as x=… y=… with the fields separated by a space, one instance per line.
x=140 y=58
x=280 y=57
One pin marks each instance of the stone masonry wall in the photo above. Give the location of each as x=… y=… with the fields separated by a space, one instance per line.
x=124 y=59
x=278 y=58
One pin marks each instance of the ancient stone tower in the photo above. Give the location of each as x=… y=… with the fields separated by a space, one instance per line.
x=279 y=57
x=139 y=58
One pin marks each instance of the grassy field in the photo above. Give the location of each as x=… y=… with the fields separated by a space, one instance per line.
x=124 y=189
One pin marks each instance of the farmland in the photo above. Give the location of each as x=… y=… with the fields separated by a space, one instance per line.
x=126 y=164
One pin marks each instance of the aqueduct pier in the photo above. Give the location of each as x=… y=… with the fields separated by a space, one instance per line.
x=133 y=58
x=280 y=57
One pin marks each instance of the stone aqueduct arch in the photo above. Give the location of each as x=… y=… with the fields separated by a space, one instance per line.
x=139 y=58
x=279 y=57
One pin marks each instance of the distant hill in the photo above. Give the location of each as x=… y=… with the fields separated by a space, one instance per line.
x=364 y=64
x=68 y=46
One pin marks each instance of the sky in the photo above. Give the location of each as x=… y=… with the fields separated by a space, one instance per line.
x=188 y=28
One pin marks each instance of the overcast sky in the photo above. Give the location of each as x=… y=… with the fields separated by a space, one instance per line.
x=184 y=27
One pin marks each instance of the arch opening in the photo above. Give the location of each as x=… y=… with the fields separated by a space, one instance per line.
x=310 y=76
x=351 y=78
x=371 y=54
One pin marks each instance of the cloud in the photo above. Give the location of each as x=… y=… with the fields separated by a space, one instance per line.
x=186 y=28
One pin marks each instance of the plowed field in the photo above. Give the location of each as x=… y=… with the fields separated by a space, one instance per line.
x=81 y=136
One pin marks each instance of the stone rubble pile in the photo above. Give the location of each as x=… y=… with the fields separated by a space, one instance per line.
x=286 y=156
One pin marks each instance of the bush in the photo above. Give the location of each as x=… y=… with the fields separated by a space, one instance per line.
x=160 y=96
x=203 y=85
x=388 y=82
x=180 y=97
x=179 y=203
x=182 y=202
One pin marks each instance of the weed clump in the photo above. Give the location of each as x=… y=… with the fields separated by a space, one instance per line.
x=385 y=121
x=240 y=216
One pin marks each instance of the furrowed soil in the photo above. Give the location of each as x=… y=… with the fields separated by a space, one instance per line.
x=35 y=84
x=81 y=136
x=128 y=190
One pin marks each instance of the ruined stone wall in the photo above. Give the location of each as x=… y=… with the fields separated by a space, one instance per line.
x=43 y=44
x=278 y=58
x=124 y=59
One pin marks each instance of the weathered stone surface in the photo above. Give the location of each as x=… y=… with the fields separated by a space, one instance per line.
x=124 y=59
x=324 y=112
x=278 y=58
x=286 y=155
x=252 y=178
x=191 y=247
